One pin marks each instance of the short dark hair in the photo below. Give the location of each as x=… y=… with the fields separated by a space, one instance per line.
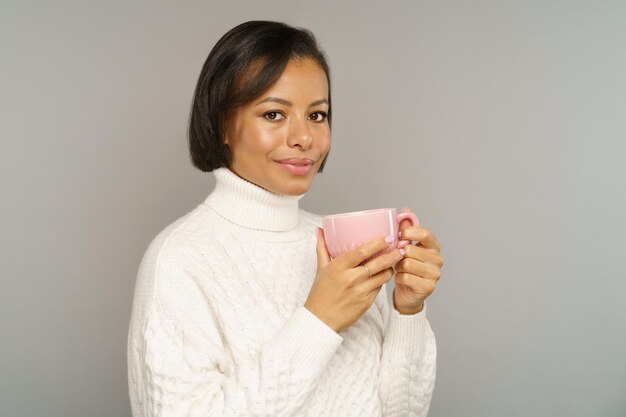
x=231 y=78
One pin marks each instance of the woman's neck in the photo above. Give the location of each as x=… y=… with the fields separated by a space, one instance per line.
x=251 y=206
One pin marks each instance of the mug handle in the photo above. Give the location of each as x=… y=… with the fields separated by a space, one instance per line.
x=414 y=222
x=408 y=216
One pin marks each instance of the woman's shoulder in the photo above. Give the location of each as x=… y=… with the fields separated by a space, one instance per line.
x=172 y=253
x=180 y=242
x=175 y=233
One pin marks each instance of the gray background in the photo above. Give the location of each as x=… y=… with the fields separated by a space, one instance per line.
x=501 y=124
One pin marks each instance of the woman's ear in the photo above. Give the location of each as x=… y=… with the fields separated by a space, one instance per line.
x=226 y=129
x=225 y=136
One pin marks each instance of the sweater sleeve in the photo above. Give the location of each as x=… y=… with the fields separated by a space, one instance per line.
x=408 y=362
x=180 y=362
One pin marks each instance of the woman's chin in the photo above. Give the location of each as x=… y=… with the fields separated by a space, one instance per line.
x=295 y=191
x=297 y=187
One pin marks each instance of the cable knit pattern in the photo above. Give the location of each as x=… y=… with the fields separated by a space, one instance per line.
x=219 y=328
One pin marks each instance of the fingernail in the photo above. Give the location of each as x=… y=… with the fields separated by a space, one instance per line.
x=389 y=239
x=402 y=252
x=403 y=243
x=400 y=233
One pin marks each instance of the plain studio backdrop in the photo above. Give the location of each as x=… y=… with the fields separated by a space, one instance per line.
x=502 y=124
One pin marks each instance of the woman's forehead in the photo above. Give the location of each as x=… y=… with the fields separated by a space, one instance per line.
x=303 y=80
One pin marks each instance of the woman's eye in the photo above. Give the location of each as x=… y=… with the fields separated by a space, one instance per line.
x=318 y=116
x=273 y=115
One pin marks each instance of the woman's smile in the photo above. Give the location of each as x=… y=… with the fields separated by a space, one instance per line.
x=297 y=169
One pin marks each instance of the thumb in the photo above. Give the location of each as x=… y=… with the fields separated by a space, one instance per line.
x=323 y=258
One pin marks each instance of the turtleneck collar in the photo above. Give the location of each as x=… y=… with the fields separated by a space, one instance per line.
x=248 y=205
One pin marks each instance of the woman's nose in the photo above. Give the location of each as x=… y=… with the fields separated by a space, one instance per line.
x=300 y=134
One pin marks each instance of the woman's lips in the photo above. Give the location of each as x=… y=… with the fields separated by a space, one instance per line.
x=296 y=169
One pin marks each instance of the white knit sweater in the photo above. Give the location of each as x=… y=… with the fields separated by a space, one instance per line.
x=219 y=328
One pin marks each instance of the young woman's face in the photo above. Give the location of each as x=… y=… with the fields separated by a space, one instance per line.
x=287 y=121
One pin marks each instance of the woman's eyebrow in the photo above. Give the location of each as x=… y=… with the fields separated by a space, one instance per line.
x=289 y=103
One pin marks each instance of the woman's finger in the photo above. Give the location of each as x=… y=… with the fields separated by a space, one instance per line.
x=419 y=269
x=423 y=254
x=422 y=235
x=359 y=254
x=417 y=284
x=377 y=281
x=380 y=263
x=323 y=258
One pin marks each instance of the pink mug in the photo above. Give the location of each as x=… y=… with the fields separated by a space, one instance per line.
x=345 y=231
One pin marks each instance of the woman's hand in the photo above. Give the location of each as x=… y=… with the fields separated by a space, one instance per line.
x=343 y=290
x=420 y=269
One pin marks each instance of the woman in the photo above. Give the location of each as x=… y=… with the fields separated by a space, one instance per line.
x=238 y=309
